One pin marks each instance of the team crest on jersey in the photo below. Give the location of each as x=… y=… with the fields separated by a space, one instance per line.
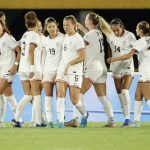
x=124 y=43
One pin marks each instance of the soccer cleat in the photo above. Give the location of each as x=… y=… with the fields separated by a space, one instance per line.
x=126 y=123
x=43 y=125
x=136 y=124
x=2 y=124
x=111 y=123
x=16 y=124
x=50 y=125
x=38 y=126
x=83 y=122
x=72 y=123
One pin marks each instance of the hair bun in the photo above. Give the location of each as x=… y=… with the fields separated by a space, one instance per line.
x=30 y=16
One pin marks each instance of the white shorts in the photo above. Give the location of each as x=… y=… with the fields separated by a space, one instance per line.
x=25 y=76
x=121 y=70
x=49 y=77
x=96 y=76
x=7 y=76
x=70 y=79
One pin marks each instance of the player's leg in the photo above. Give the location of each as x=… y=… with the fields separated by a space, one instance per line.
x=126 y=82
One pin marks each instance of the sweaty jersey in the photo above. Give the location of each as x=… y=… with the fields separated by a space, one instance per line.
x=142 y=46
x=120 y=46
x=71 y=45
x=7 y=52
x=94 y=59
x=53 y=49
x=30 y=37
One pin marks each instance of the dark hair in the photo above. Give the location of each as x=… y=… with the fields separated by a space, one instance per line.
x=30 y=19
x=100 y=22
x=2 y=14
x=5 y=29
x=117 y=21
x=145 y=27
x=48 y=20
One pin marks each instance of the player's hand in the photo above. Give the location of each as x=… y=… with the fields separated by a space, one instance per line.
x=31 y=75
x=13 y=70
x=110 y=60
x=66 y=69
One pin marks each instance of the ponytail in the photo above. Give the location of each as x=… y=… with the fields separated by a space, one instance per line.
x=104 y=26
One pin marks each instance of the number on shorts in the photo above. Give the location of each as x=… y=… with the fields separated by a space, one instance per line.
x=23 y=48
x=76 y=78
x=117 y=49
x=52 y=51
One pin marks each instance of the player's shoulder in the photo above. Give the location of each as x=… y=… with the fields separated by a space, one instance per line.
x=129 y=33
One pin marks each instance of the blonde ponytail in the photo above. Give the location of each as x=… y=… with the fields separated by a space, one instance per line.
x=105 y=27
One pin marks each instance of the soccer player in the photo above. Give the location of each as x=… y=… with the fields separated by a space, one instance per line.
x=30 y=71
x=95 y=71
x=120 y=43
x=8 y=93
x=9 y=60
x=53 y=51
x=69 y=72
x=141 y=47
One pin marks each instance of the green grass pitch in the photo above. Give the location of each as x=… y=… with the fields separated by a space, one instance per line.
x=94 y=137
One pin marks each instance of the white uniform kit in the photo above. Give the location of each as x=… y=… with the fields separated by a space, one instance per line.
x=142 y=46
x=120 y=46
x=30 y=37
x=71 y=46
x=94 y=64
x=53 y=48
x=7 y=56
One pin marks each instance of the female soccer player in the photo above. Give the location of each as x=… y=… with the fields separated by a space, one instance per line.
x=141 y=47
x=8 y=60
x=70 y=70
x=120 y=43
x=30 y=71
x=8 y=93
x=95 y=71
x=53 y=51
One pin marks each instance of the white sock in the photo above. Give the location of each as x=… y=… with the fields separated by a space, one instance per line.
x=107 y=106
x=137 y=110
x=126 y=102
x=20 y=107
x=12 y=103
x=148 y=103
x=48 y=107
x=2 y=107
x=81 y=108
x=38 y=109
x=60 y=109
x=33 y=119
x=121 y=103
x=76 y=113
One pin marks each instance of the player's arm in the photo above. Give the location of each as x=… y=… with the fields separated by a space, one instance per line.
x=109 y=51
x=13 y=70
x=32 y=47
x=81 y=28
x=80 y=58
x=123 y=57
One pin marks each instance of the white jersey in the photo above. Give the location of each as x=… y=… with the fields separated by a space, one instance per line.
x=7 y=53
x=30 y=37
x=53 y=49
x=94 y=59
x=71 y=46
x=142 y=46
x=120 y=46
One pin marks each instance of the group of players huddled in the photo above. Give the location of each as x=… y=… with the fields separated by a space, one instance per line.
x=47 y=57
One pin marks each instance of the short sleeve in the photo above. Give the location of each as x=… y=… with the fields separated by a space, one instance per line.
x=140 y=45
x=132 y=39
x=79 y=43
x=12 y=43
